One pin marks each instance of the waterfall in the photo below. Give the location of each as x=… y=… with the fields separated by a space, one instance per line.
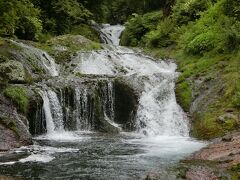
x=84 y=113
x=158 y=112
x=36 y=56
x=84 y=105
x=53 y=111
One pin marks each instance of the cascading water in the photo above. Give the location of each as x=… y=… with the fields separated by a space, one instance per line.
x=53 y=112
x=83 y=112
x=111 y=35
x=158 y=112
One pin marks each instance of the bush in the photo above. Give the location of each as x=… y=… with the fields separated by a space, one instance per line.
x=236 y=99
x=19 y=18
x=18 y=95
x=214 y=32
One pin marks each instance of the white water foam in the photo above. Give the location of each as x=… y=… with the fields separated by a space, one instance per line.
x=42 y=154
x=167 y=146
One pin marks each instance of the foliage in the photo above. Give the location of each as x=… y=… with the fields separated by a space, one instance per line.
x=185 y=11
x=160 y=37
x=118 y=11
x=19 y=18
x=236 y=99
x=138 y=26
x=18 y=95
x=69 y=13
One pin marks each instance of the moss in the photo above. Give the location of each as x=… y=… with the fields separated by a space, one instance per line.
x=184 y=95
x=18 y=95
x=86 y=31
x=78 y=74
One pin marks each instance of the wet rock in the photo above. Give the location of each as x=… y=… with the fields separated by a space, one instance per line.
x=12 y=156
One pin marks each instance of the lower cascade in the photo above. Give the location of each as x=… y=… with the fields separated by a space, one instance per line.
x=114 y=116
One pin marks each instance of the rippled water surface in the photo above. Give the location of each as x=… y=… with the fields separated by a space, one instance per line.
x=98 y=156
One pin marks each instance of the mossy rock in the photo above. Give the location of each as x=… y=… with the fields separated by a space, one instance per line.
x=12 y=71
x=18 y=95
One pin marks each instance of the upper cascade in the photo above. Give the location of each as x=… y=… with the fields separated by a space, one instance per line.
x=111 y=34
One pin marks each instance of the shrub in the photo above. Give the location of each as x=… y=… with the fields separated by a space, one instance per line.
x=21 y=18
x=236 y=99
x=189 y=10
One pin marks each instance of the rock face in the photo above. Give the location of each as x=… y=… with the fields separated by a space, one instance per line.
x=87 y=103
